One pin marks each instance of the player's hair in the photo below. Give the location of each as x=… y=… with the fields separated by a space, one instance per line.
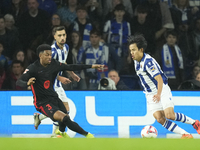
x=41 y=48
x=139 y=40
x=58 y=28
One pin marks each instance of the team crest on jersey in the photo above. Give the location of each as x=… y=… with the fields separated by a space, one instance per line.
x=46 y=84
x=152 y=68
x=25 y=71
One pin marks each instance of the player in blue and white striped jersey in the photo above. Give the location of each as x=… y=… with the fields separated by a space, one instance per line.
x=158 y=93
x=59 y=52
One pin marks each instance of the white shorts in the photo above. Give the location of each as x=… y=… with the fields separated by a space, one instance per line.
x=165 y=100
x=61 y=94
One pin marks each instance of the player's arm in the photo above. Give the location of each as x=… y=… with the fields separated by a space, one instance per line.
x=159 y=80
x=76 y=67
x=26 y=79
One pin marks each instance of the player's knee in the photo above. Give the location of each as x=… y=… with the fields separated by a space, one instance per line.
x=170 y=116
x=160 y=120
x=66 y=120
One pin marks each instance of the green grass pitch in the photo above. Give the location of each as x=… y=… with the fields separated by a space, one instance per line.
x=98 y=144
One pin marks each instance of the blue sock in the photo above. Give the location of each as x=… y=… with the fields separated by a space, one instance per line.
x=183 y=118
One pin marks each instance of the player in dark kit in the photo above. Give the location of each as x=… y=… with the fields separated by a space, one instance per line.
x=41 y=76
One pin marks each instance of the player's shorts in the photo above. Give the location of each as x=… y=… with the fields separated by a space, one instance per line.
x=61 y=94
x=50 y=106
x=165 y=101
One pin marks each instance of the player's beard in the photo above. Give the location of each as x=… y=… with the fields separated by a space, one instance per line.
x=61 y=43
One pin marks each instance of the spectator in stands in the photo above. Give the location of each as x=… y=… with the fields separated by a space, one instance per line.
x=48 y=5
x=99 y=53
x=117 y=30
x=17 y=8
x=75 y=56
x=2 y=75
x=159 y=17
x=195 y=71
x=47 y=37
x=16 y=72
x=182 y=17
x=198 y=77
x=94 y=9
x=194 y=37
x=83 y=25
x=68 y=13
x=140 y=24
x=195 y=4
x=20 y=55
x=10 y=24
x=32 y=23
x=55 y=20
x=172 y=60
x=110 y=5
x=120 y=85
x=10 y=40
x=192 y=84
x=3 y=59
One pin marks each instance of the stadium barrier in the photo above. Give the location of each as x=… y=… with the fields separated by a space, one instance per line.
x=103 y=113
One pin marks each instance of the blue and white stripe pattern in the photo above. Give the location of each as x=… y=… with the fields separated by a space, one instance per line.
x=86 y=33
x=99 y=57
x=117 y=34
x=61 y=56
x=147 y=69
x=180 y=117
x=169 y=125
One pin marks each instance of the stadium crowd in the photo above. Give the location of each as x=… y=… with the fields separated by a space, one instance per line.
x=97 y=32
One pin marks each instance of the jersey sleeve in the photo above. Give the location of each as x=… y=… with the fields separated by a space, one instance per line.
x=152 y=68
x=71 y=67
x=28 y=73
x=54 y=53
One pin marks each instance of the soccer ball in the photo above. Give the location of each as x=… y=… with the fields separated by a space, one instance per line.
x=149 y=132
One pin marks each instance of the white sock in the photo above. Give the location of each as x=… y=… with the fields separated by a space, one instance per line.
x=41 y=117
x=171 y=126
x=183 y=118
x=55 y=126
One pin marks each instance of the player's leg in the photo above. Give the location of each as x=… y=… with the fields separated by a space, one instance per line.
x=56 y=124
x=68 y=122
x=64 y=120
x=62 y=96
x=37 y=119
x=169 y=125
x=168 y=107
x=170 y=114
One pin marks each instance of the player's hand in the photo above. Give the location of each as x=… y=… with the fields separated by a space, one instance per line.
x=64 y=80
x=156 y=98
x=31 y=81
x=96 y=66
x=75 y=77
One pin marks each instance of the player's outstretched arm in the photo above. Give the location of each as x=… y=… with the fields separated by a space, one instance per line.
x=76 y=67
